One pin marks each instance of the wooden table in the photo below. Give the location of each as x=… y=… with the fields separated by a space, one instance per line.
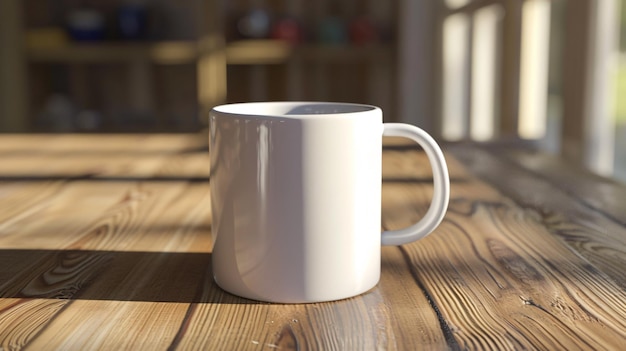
x=105 y=244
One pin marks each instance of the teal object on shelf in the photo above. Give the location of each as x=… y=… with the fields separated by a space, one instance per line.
x=332 y=30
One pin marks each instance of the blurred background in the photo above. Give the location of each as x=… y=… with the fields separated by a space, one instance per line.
x=549 y=71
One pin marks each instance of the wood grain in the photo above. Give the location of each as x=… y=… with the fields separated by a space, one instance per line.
x=569 y=207
x=105 y=244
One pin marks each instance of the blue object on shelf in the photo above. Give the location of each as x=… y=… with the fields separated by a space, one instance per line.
x=86 y=25
x=131 y=22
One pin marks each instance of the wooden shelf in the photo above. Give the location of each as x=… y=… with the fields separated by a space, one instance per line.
x=176 y=52
x=346 y=53
x=244 y=52
x=276 y=52
x=258 y=52
x=143 y=76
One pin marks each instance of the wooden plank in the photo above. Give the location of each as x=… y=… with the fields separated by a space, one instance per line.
x=589 y=57
x=340 y=325
x=21 y=319
x=520 y=261
x=603 y=194
x=510 y=67
x=105 y=325
x=166 y=52
x=497 y=274
x=570 y=210
x=498 y=290
x=364 y=322
x=419 y=31
x=495 y=287
x=72 y=144
x=13 y=91
x=107 y=280
x=411 y=311
x=112 y=216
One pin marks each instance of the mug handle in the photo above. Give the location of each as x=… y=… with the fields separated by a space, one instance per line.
x=441 y=180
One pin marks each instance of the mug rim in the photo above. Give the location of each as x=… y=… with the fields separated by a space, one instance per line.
x=294 y=109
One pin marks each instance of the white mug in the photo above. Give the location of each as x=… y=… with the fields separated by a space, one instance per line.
x=296 y=198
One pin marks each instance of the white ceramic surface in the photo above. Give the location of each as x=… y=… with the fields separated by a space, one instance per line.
x=296 y=198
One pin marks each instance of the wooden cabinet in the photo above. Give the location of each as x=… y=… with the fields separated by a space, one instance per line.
x=189 y=61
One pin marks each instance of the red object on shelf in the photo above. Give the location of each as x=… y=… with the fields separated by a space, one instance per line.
x=288 y=29
x=363 y=31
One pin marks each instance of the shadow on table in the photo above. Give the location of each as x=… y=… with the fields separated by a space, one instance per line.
x=111 y=275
